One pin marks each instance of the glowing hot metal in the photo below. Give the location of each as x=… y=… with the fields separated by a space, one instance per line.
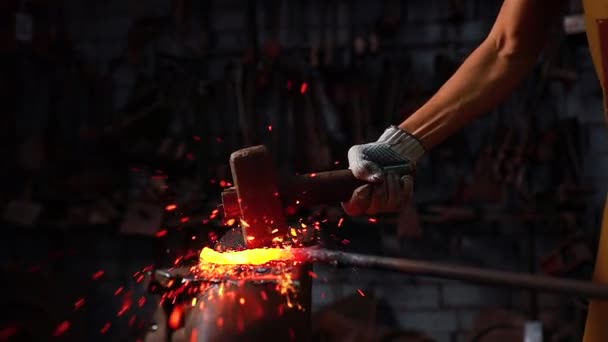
x=256 y=256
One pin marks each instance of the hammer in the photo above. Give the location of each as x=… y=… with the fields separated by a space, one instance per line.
x=259 y=197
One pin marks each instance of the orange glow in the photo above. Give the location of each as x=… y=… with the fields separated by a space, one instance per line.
x=293 y=232
x=171 y=207
x=194 y=335
x=175 y=320
x=230 y=222
x=257 y=256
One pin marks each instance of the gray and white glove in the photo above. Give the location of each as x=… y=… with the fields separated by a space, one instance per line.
x=388 y=192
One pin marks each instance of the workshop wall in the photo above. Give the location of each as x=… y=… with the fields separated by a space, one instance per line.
x=431 y=38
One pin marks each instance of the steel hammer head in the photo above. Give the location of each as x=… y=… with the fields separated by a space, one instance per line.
x=257 y=196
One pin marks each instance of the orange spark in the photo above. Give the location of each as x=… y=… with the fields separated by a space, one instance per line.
x=171 y=207
x=274 y=231
x=79 y=304
x=372 y=220
x=340 y=222
x=230 y=222
x=105 y=328
x=97 y=275
x=62 y=328
x=313 y=175
x=175 y=319
x=242 y=301
x=293 y=232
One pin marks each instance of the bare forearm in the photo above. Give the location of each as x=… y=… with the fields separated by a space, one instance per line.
x=484 y=80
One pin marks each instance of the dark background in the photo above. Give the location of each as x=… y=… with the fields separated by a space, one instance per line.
x=112 y=110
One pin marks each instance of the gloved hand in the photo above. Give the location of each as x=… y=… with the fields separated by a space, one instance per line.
x=388 y=192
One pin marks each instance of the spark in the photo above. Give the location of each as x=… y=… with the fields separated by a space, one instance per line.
x=105 y=328
x=193 y=302
x=184 y=219
x=269 y=128
x=220 y=322
x=242 y=301
x=313 y=175
x=250 y=238
x=244 y=223
x=175 y=319
x=62 y=328
x=79 y=304
x=345 y=242
x=313 y=275
x=372 y=220
x=361 y=292
x=274 y=231
x=293 y=232
x=303 y=225
x=230 y=222
x=194 y=335
x=161 y=233
x=171 y=207
x=141 y=302
x=303 y=88
x=118 y=291
x=97 y=275
x=214 y=213
x=340 y=222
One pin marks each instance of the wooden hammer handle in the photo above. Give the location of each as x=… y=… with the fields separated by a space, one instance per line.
x=329 y=187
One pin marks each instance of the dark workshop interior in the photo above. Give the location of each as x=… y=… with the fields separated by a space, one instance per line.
x=119 y=119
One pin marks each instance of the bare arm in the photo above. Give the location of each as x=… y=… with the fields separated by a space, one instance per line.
x=490 y=73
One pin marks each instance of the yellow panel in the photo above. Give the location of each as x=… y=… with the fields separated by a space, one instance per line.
x=596 y=10
x=596 y=329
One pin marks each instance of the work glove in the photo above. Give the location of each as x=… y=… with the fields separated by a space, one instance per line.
x=387 y=191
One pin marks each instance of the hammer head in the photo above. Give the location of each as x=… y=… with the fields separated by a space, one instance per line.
x=257 y=194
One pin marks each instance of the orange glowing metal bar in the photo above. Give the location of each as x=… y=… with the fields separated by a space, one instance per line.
x=257 y=256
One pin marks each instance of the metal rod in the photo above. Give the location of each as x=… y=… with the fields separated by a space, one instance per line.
x=465 y=273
